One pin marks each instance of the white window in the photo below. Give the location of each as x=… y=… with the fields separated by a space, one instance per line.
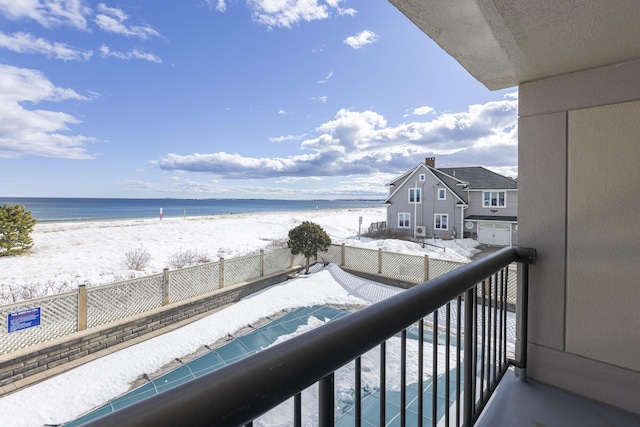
x=494 y=199
x=442 y=194
x=422 y=177
x=415 y=195
x=440 y=222
x=404 y=220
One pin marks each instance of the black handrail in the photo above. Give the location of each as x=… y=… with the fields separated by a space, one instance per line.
x=238 y=393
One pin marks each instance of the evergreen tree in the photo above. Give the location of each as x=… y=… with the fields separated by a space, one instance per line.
x=308 y=239
x=16 y=226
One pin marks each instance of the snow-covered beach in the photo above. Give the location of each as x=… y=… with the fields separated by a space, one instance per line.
x=92 y=253
x=68 y=254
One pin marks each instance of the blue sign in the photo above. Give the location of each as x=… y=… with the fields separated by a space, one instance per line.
x=23 y=319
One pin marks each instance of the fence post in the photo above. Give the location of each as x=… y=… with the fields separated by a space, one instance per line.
x=342 y=256
x=165 y=286
x=221 y=273
x=426 y=268
x=379 y=260
x=261 y=262
x=82 y=308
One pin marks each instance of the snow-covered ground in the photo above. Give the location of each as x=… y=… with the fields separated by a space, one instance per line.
x=66 y=255
x=69 y=395
x=69 y=254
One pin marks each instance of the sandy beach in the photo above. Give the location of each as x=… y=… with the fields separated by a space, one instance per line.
x=68 y=254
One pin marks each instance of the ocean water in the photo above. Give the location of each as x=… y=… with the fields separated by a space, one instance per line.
x=79 y=209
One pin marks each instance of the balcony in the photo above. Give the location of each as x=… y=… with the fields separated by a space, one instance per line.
x=476 y=386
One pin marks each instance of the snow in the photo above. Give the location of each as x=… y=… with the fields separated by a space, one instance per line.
x=58 y=399
x=68 y=254
x=92 y=253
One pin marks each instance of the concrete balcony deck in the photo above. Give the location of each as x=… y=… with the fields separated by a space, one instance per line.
x=532 y=404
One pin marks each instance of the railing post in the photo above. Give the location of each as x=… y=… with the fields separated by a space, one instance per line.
x=469 y=342
x=523 y=306
x=82 y=308
x=261 y=262
x=379 y=260
x=342 y=264
x=221 y=273
x=165 y=286
x=426 y=268
x=326 y=401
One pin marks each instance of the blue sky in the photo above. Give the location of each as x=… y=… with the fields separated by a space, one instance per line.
x=287 y=99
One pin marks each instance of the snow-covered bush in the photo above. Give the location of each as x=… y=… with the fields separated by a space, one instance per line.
x=137 y=259
x=188 y=257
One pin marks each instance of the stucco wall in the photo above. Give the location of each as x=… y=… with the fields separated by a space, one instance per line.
x=578 y=173
x=603 y=235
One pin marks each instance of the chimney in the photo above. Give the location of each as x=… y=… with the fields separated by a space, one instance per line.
x=430 y=161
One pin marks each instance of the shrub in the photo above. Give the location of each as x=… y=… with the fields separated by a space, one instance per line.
x=276 y=244
x=187 y=258
x=13 y=292
x=137 y=259
x=16 y=226
x=389 y=234
x=308 y=239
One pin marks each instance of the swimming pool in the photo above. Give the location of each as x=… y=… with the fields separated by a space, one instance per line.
x=264 y=336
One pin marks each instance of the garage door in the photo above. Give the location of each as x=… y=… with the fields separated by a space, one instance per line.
x=492 y=233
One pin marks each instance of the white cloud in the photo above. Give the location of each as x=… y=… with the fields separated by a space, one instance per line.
x=363 y=143
x=112 y=19
x=181 y=186
x=134 y=54
x=282 y=112
x=294 y=179
x=280 y=139
x=27 y=43
x=336 y=4
x=219 y=5
x=423 y=111
x=285 y=13
x=48 y=13
x=361 y=39
x=326 y=79
x=36 y=132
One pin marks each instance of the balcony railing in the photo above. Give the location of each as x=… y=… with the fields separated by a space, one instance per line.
x=471 y=298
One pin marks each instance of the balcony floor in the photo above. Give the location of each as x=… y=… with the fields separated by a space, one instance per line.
x=516 y=403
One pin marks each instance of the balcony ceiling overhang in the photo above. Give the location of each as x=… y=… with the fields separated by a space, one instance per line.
x=503 y=43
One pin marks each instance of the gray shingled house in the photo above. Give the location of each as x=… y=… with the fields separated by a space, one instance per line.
x=453 y=203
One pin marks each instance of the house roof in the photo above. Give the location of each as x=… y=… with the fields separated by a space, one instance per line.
x=401 y=180
x=480 y=178
x=459 y=180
